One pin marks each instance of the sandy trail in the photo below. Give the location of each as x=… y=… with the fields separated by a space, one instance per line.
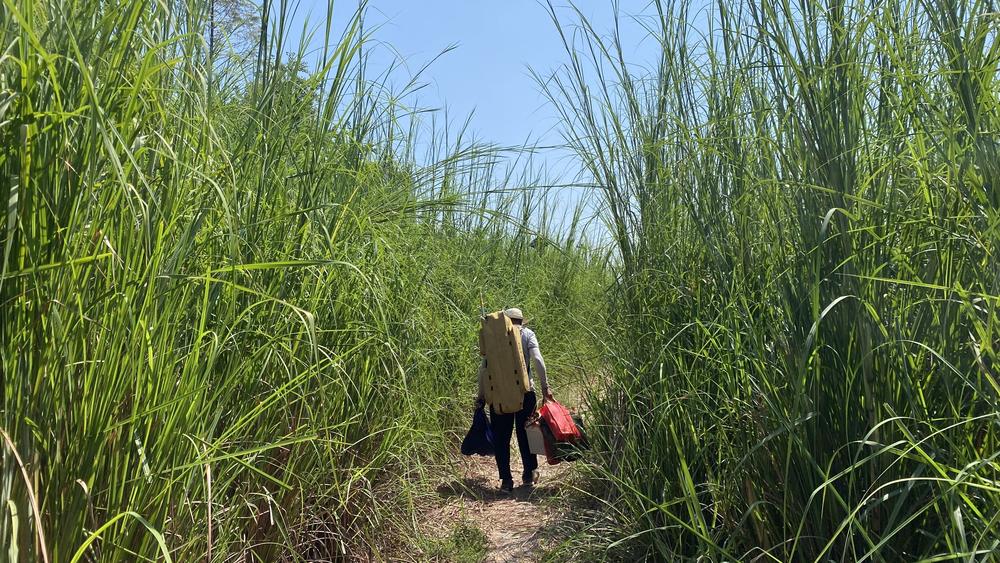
x=519 y=527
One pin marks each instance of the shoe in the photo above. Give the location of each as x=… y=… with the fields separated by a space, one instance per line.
x=506 y=487
x=530 y=479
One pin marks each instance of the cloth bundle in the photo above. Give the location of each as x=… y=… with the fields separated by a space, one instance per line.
x=479 y=440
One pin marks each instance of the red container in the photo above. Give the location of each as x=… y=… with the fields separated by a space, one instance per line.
x=555 y=434
x=560 y=422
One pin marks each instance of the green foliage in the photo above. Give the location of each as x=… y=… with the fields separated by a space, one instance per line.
x=229 y=322
x=465 y=544
x=804 y=201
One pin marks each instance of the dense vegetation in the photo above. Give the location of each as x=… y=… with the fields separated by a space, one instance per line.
x=804 y=197
x=236 y=314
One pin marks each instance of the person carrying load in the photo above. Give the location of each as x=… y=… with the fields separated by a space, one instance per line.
x=508 y=387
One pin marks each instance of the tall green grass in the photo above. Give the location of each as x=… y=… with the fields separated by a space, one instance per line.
x=803 y=196
x=235 y=313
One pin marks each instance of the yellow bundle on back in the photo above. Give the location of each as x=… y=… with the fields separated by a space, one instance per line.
x=507 y=377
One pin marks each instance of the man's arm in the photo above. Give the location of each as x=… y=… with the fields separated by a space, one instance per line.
x=538 y=365
x=481 y=396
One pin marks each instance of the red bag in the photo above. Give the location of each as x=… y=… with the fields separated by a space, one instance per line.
x=560 y=422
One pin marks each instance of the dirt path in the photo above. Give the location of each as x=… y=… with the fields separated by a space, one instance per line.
x=517 y=527
x=521 y=527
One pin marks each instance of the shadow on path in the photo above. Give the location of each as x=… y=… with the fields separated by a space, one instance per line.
x=477 y=489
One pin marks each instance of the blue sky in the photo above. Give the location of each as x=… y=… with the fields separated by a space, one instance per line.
x=495 y=42
x=487 y=73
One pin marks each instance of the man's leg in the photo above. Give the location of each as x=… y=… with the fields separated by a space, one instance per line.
x=529 y=461
x=503 y=425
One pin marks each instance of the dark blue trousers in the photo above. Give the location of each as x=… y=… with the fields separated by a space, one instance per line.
x=503 y=426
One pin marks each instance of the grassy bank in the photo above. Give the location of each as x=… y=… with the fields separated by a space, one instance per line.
x=235 y=312
x=804 y=199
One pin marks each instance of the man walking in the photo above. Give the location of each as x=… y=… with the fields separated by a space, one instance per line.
x=505 y=424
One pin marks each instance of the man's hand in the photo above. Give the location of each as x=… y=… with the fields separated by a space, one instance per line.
x=547 y=396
